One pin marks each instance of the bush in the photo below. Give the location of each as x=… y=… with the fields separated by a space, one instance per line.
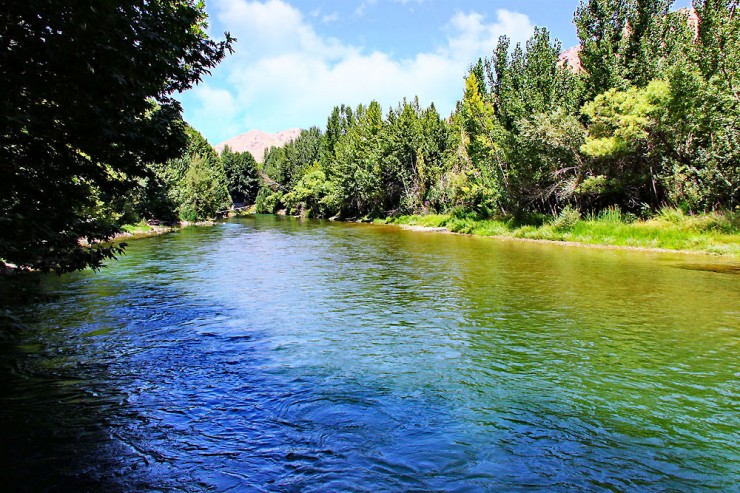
x=612 y=214
x=269 y=201
x=312 y=195
x=568 y=218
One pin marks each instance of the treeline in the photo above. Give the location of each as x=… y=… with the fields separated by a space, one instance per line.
x=195 y=186
x=649 y=119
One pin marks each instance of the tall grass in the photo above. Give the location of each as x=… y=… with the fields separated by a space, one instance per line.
x=672 y=229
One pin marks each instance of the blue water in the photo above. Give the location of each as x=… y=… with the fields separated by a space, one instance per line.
x=274 y=354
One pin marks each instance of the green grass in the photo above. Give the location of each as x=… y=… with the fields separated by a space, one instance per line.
x=141 y=230
x=135 y=229
x=716 y=233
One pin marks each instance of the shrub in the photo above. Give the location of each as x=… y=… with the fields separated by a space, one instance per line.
x=268 y=201
x=568 y=218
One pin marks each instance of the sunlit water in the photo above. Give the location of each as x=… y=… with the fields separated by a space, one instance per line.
x=274 y=354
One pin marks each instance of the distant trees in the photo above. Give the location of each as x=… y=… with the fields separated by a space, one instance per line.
x=199 y=183
x=365 y=163
x=651 y=120
x=86 y=104
x=242 y=178
x=91 y=136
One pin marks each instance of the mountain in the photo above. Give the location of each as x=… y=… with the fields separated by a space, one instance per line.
x=572 y=57
x=257 y=141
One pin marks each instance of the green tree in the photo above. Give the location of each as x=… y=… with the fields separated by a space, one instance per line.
x=357 y=168
x=402 y=143
x=480 y=173
x=628 y=140
x=242 y=178
x=87 y=103
x=551 y=165
x=629 y=42
x=600 y=25
x=203 y=190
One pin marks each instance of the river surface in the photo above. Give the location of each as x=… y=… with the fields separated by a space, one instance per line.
x=276 y=354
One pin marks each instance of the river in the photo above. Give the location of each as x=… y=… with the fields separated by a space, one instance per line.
x=278 y=354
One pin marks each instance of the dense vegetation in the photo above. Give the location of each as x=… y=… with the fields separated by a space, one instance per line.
x=650 y=121
x=194 y=186
x=87 y=101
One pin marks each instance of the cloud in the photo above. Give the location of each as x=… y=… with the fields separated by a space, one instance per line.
x=362 y=7
x=360 y=10
x=284 y=74
x=333 y=17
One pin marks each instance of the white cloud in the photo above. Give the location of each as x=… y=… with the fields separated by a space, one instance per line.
x=284 y=74
x=333 y=17
x=364 y=4
x=360 y=10
x=471 y=34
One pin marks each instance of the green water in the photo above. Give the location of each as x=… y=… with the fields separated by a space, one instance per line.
x=275 y=354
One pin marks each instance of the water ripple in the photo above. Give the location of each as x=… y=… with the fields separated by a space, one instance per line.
x=272 y=354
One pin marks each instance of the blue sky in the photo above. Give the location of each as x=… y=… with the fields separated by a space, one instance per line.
x=296 y=59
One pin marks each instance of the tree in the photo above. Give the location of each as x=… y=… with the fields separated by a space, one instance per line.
x=358 y=168
x=87 y=102
x=600 y=25
x=242 y=179
x=629 y=42
x=630 y=141
x=203 y=190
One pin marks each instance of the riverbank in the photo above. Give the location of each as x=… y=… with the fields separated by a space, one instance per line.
x=671 y=230
x=145 y=230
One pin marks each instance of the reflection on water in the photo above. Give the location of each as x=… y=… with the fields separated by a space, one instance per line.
x=277 y=354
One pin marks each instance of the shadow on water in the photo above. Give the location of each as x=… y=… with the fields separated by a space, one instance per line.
x=716 y=268
x=47 y=409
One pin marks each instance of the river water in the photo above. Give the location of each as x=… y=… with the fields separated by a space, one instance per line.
x=276 y=354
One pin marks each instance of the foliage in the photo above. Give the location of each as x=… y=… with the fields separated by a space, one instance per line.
x=627 y=42
x=268 y=201
x=621 y=122
x=311 y=196
x=203 y=190
x=717 y=233
x=551 y=167
x=87 y=103
x=567 y=218
x=286 y=165
x=242 y=178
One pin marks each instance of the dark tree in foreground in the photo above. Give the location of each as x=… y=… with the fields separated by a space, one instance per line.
x=86 y=103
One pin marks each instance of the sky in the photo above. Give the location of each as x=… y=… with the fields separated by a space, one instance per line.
x=295 y=60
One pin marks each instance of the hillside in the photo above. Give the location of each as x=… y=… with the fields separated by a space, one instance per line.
x=257 y=141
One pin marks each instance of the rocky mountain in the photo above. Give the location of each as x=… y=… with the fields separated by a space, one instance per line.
x=572 y=58
x=257 y=141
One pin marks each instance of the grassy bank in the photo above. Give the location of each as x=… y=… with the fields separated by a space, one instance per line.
x=716 y=233
x=142 y=230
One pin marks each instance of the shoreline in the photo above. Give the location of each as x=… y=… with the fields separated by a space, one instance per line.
x=713 y=246
x=729 y=255
x=136 y=235
x=732 y=254
x=157 y=230
x=599 y=246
